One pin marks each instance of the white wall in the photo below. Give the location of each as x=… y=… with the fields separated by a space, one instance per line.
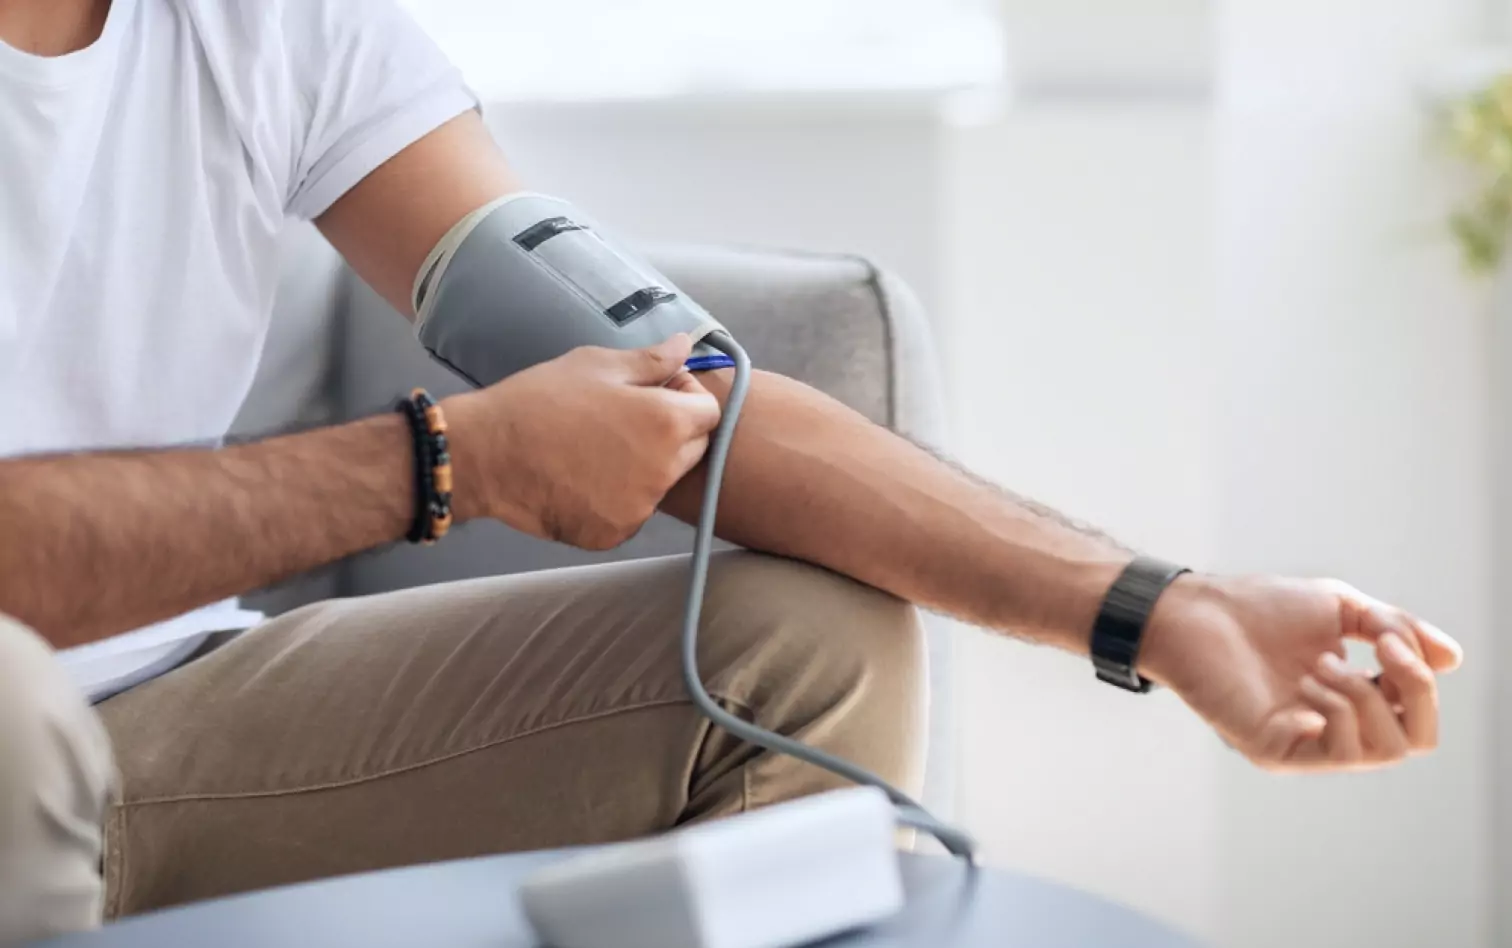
x=855 y=174
x=1500 y=653
x=1282 y=282
x=1080 y=299
x=1354 y=442
x=1081 y=253
x=1101 y=47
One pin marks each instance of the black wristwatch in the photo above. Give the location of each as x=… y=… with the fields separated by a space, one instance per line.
x=1120 y=626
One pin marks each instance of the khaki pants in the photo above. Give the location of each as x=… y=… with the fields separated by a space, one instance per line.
x=497 y=715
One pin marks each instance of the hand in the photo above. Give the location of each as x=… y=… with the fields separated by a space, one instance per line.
x=1261 y=659
x=581 y=449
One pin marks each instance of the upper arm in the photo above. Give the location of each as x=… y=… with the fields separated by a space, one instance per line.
x=387 y=224
x=388 y=150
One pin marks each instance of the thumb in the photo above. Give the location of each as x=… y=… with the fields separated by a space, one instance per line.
x=656 y=364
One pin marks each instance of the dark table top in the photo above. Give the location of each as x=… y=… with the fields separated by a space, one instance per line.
x=472 y=904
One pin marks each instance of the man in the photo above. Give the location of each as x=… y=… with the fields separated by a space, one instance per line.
x=152 y=151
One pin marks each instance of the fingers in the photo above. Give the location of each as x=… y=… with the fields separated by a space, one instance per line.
x=1381 y=737
x=1415 y=691
x=691 y=454
x=1442 y=652
x=1340 y=742
x=1390 y=690
x=1292 y=738
x=656 y=364
x=696 y=410
x=1371 y=721
x=1368 y=619
x=684 y=381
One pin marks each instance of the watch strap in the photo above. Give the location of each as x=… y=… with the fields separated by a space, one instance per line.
x=1120 y=626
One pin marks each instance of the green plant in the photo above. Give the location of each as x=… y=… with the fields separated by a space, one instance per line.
x=1480 y=133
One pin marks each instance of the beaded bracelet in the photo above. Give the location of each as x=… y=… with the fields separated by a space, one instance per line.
x=433 y=470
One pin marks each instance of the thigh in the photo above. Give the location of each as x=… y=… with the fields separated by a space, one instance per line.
x=496 y=715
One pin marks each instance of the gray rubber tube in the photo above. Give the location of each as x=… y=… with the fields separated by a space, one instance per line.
x=910 y=813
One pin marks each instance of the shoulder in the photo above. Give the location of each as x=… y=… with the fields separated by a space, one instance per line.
x=298 y=34
x=324 y=90
x=286 y=57
x=240 y=26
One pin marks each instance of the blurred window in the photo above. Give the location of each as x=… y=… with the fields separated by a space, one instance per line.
x=607 y=49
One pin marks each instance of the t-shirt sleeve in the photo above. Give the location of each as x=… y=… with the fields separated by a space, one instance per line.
x=368 y=83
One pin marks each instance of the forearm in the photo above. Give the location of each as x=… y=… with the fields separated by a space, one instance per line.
x=810 y=479
x=94 y=545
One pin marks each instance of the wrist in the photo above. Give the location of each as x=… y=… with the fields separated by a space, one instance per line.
x=470 y=437
x=1185 y=605
x=1086 y=597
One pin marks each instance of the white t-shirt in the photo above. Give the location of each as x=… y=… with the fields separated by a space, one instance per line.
x=143 y=185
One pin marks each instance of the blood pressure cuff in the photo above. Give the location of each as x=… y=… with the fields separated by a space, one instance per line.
x=529 y=278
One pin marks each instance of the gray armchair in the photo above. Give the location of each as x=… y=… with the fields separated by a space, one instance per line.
x=836 y=323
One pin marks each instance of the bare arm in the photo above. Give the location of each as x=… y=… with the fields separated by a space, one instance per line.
x=95 y=545
x=386 y=225
x=811 y=479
